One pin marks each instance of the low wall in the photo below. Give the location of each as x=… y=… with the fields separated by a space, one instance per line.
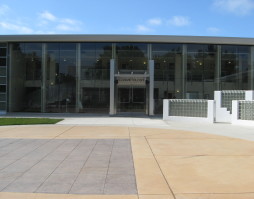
x=189 y=110
x=243 y=112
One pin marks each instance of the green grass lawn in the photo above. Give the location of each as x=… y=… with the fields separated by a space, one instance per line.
x=24 y=121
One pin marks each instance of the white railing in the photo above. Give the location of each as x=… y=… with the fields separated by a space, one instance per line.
x=189 y=110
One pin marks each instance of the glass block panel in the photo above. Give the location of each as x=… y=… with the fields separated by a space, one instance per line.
x=246 y=110
x=188 y=108
x=230 y=95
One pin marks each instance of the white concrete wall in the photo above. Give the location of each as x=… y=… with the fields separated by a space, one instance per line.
x=249 y=95
x=222 y=114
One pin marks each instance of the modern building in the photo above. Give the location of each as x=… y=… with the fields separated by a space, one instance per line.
x=118 y=73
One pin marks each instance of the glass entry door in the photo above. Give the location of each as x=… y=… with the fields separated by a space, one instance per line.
x=131 y=99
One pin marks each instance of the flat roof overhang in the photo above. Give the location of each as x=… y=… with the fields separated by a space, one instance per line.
x=128 y=38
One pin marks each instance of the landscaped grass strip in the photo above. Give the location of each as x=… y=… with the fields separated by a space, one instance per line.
x=26 y=121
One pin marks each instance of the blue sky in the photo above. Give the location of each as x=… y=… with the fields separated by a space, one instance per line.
x=232 y=18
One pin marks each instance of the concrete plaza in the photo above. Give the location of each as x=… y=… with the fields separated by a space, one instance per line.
x=126 y=158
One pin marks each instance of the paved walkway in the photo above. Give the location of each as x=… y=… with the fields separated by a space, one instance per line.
x=236 y=131
x=123 y=162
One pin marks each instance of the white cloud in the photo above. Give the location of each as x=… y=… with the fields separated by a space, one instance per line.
x=213 y=30
x=50 y=21
x=70 y=21
x=47 y=16
x=142 y=29
x=45 y=23
x=65 y=27
x=179 y=21
x=238 y=7
x=154 y=21
x=4 y=9
x=17 y=28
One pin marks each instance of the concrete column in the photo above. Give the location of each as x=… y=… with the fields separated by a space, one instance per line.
x=44 y=78
x=151 y=86
x=78 y=77
x=165 y=109
x=184 y=70
x=235 y=111
x=149 y=52
x=112 y=88
x=218 y=68
x=113 y=51
x=211 y=111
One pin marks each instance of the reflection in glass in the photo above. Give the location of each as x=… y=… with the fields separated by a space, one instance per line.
x=235 y=66
x=201 y=61
x=61 y=77
x=131 y=56
x=25 y=73
x=167 y=73
x=131 y=99
x=95 y=70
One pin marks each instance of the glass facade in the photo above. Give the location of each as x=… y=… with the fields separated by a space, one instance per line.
x=235 y=67
x=167 y=73
x=61 y=77
x=75 y=77
x=200 y=71
x=131 y=57
x=25 y=77
x=94 y=83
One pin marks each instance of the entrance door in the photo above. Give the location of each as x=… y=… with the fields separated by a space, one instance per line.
x=131 y=99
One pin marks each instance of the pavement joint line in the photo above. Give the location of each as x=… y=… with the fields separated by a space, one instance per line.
x=82 y=166
x=160 y=169
x=19 y=140
x=108 y=167
x=64 y=131
x=24 y=155
x=27 y=169
x=133 y=164
x=16 y=139
x=58 y=164
x=18 y=148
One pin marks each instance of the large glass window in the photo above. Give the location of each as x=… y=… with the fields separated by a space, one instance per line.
x=200 y=71
x=131 y=57
x=61 y=77
x=25 y=77
x=95 y=75
x=235 y=66
x=167 y=73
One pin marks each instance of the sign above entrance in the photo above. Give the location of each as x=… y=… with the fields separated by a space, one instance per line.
x=131 y=79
